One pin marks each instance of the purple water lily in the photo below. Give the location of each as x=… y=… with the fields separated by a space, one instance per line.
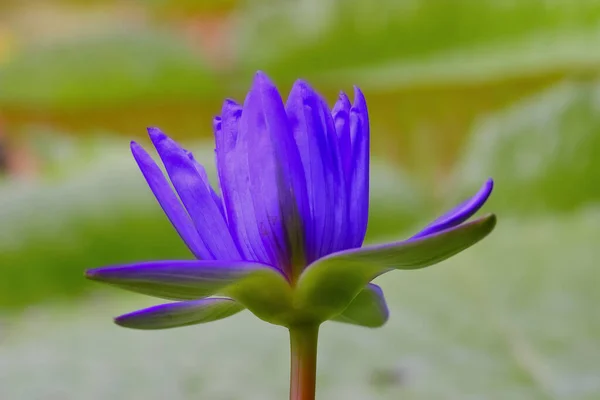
x=284 y=237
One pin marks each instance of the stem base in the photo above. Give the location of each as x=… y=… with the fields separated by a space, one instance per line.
x=303 y=344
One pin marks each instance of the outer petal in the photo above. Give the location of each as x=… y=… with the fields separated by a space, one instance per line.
x=181 y=313
x=328 y=286
x=358 y=175
x=180 y=280
x=169 y=202
x=460 y=213
x=368 y=309
x=261 y=176
x=317 y=141
x=196 y=197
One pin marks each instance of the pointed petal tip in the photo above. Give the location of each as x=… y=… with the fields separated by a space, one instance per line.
x=129 y=320
x=488 y=221
x=344 y=99
x=102 y=274
x=462 y=212
x=487 y=189
x=93 y=274
x=121 y=320
x=359 y=106
x=230 y=107
x=358 y=94
x=156 y=135
x=260 y=74
x=302 y=84
x=263 y=86
x=228 y=102
x=483 y=194
x=180 y=314
x=342 y=106
x=134 y=146
x=302 y=91
x=491 y=219
x=262 y=79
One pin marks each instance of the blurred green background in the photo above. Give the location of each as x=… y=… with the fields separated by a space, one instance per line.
x=458 y=90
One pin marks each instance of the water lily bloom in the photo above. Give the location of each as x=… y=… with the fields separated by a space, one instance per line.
x=284 y=236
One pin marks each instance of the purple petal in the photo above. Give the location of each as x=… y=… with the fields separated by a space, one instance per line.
x=217 y=124
x=341 y=116
x=226 y=126
x=196 y=197
x=204 y=176
x=358 y=177
x=368 y=309
x=183 y=313
x=225 y=130
x=315 y=136
x=261 y=178
x=169 y=202
x=179 y=279
x=460 y=213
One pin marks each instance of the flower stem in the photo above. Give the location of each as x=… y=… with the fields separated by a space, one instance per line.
x=303 y=343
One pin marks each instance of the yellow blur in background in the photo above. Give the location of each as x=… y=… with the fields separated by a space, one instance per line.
x=458 y=91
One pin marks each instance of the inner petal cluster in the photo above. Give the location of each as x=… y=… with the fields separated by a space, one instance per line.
x=294 y=176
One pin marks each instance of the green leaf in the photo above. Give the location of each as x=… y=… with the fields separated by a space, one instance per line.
x=367 y=309
x=105 y=69
x=328 y=286
x=470 y=40
x=183 y=313
x=544 y=152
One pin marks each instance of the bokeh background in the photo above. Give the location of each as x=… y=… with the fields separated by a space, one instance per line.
x=458 y=90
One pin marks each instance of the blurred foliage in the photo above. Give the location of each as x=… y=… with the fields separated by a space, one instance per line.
x=315 y=36
x=160 y=7
x=105 y=70
x=543 y=152
x=515 y=317
x=187 y=8
x=181 y=6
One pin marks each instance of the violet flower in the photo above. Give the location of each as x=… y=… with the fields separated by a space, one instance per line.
x=284 y=237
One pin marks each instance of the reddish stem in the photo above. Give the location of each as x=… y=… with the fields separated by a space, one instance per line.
x=303 y=343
